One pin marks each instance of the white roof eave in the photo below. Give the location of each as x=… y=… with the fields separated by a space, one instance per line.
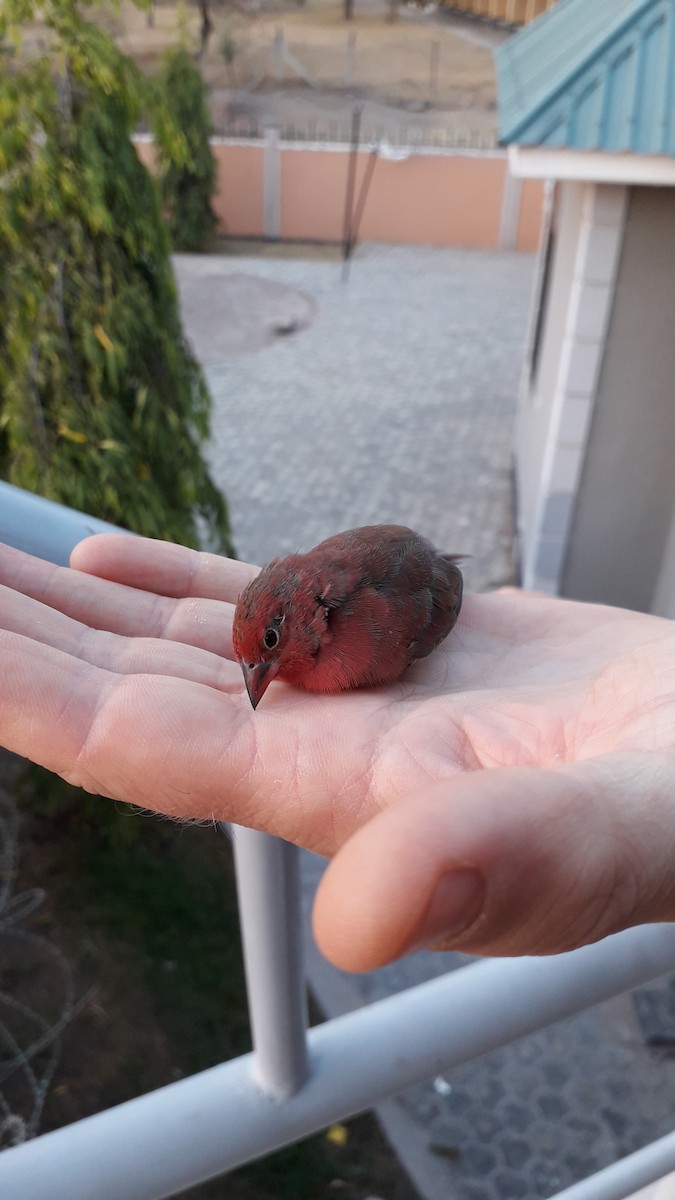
x=544 y=162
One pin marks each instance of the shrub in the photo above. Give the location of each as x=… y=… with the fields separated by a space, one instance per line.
x=102 y=404
x=187 y=168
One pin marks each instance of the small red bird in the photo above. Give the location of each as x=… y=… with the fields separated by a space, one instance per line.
x=353 y=612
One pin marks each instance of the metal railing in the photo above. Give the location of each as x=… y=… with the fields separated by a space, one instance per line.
x=296 y=1081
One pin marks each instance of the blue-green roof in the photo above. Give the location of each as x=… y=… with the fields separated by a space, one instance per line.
x=592 y=75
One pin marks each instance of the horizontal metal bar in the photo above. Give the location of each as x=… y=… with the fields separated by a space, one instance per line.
x=165 y=1142
x=628 y=1175
x=268 y=886
x=40 y=527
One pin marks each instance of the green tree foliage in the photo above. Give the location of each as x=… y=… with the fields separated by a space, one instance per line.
x=187 y=167
x=102 y=404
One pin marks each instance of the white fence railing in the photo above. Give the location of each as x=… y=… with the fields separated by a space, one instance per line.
x=315 y=131
x=297 y=1081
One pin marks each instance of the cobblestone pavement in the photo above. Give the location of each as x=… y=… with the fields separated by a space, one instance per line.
x=394 y=401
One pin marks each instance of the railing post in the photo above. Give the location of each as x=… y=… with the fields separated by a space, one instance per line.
x=268 y=887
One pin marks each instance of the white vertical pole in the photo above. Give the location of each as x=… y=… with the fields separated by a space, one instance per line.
x=510 y=215
x=272 y=184
x=268 y=886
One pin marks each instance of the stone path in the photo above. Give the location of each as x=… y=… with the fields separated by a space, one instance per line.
x=394 y=402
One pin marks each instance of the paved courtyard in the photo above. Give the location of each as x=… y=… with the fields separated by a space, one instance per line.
x=392 y=398
x=393 y=402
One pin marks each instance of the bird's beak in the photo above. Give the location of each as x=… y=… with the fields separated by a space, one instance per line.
x=258 y=677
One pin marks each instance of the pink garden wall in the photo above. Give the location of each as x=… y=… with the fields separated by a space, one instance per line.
x=434 y=199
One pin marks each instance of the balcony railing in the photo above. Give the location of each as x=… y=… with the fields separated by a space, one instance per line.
x=296 y=1081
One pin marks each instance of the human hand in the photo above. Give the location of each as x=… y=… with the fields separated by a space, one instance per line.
x=512 y=794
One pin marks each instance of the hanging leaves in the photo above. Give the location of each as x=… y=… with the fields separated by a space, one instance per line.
x=187 y=168
x=102 y=404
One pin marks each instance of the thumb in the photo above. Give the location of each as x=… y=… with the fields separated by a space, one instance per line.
x=505 y=862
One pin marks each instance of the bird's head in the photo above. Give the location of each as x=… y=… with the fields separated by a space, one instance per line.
x=277 y=629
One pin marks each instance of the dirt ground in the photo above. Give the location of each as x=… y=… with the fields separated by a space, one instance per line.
x=427 y=69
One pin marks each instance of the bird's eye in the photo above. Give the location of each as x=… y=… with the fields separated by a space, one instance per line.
x=271 y=638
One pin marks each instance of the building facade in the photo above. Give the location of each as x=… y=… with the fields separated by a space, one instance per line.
x=587 y=101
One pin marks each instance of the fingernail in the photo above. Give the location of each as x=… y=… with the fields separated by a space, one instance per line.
x=455 y=904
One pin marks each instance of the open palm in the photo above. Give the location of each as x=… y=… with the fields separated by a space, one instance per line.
x=119 y=676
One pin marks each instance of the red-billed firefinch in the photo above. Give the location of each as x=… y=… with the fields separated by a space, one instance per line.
x=353 y=612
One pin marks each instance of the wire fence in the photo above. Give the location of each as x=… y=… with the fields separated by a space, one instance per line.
x=313 y=131
x=37 y=996
x=393 y=64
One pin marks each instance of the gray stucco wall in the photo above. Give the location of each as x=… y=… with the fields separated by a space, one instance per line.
x=536 y=401
x=626 y=498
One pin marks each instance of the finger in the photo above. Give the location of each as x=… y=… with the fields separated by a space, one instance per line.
x=162 y=567
x=505 y=862
x=117 y=607
x=163 y=743
x=190 y=751
x=114 y=652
